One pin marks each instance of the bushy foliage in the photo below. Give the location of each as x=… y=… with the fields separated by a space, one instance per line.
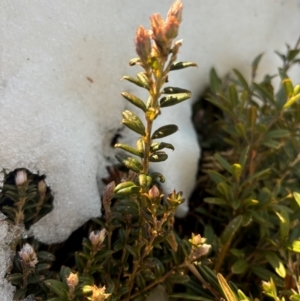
x=250 y=215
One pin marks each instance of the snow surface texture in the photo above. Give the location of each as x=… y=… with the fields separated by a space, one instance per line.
x=60 y=103
x=6 y=236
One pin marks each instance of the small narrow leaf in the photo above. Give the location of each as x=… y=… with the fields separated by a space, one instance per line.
x=239 y=267
x=174 y=99
x=134 y=100
x=156 y=146
x=284 y=225
x=215 y=82
x=223 y=162
x=251 y=115
x=264 y=92
x=134 y=61
x=174 y=90
x=165 y=131
x=241 y=79
x=255 y=64
x=231 y=229
x=229 y=294
x=158 y=157
x=57 y=287
x=129 y=149
x=134 y=81
x=143 y=79
x=233 y=96
x=182 y=65
x=276 y=263
x=215 y=201
x=130 y=163
x=133 y=122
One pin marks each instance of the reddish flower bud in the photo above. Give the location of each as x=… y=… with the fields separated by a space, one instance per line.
x=171 y=28
x=28 y=256
x=143 y=44
x=176 y=11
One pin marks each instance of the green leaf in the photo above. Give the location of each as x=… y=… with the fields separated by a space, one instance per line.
x=292 y=54
x=241 y=79
x=276 y=263
x=130 y=163
x=229 y=294
x=165 y=131
x=133 y=122
x=264 y=92
x=284 y=225
x=135 y=81
x=42 y=267
x=156 y=146
x=135 y=61
x=45 y=256
x=271 y=143
x=174 y=99
x=231 y=229
x=216 y=177
x=255 y=64
x=223 y=188
x=182 y=65
x=158 y=157
x=244 y=156
x=277 y=134
x=215 y=82
x=57 y=287
x=223 y=162
x=295 y=246
x=126 y=188
x=215 y=201
x=251 y=115
x=297 y=197
x=265 y=274
x=132 y=251
x=233 y=96
x=239 y=267
x=258 y=175
x=134 y=100
x=155 y=175
x=174 y=90
x=143 y=79
x=129 y=149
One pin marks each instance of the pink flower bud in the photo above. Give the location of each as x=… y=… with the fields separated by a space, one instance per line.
x=21 y=177
x=28 y=256
x=97 y=238
x=176 y=11
x=72 y=281
x=143 y=44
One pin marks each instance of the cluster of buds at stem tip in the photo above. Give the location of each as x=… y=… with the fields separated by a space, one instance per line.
x=175 y=199
x=97 y=238
x=97 y=294
x=199 y=247
x=28 y=256
x=162 y=32
x=72 y=281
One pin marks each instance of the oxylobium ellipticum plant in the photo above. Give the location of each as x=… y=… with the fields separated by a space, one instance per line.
x=137 y=249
